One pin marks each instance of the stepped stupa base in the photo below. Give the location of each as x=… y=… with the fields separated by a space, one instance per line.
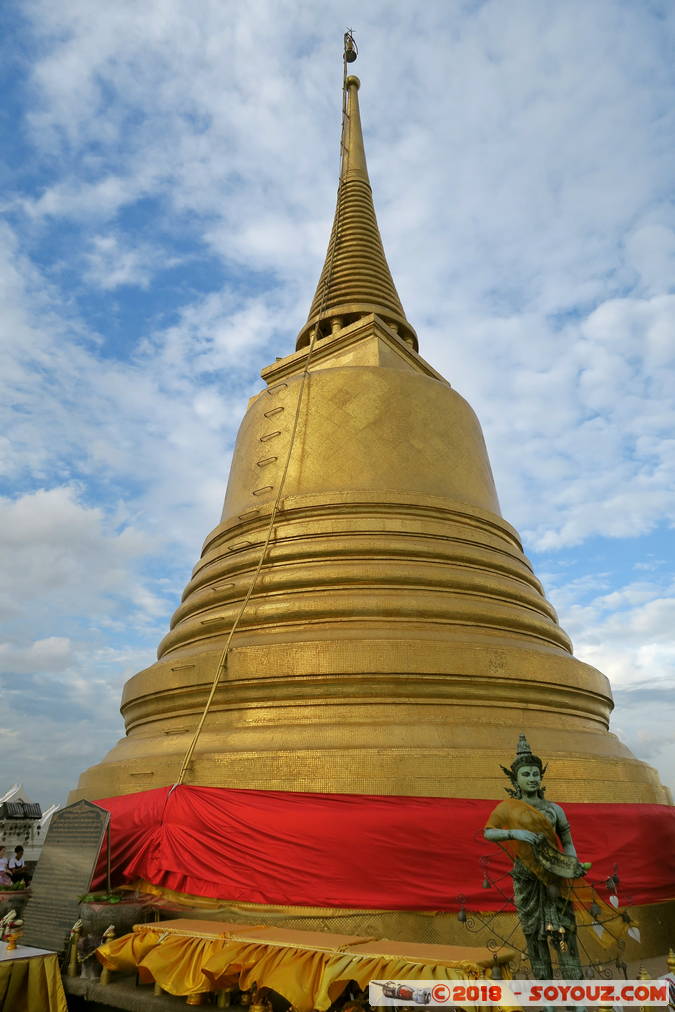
x=450 y=751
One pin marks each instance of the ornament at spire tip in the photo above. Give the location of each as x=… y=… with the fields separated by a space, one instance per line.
x=351 y=50
x=353 y=80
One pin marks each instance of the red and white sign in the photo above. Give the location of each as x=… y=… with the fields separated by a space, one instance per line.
x=518 y=992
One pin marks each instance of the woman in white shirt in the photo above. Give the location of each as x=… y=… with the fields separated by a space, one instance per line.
x=5 y=880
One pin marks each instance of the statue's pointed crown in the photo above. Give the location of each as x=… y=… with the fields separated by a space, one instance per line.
x=355 y=279
x=522 y=748
x=524 y=757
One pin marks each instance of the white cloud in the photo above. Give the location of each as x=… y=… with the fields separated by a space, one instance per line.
x=98 y=200
x=650 y=249
x=627 y=633
x=51 y=654
x=112 y=263
x=634 y=615
x=69 y=412
x=61 y=555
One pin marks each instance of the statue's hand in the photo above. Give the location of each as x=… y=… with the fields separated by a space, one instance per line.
x=526 y=836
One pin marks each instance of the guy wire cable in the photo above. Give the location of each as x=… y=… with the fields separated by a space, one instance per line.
x=349 y=55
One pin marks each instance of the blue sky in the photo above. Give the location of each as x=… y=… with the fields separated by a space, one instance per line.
x=168 y=182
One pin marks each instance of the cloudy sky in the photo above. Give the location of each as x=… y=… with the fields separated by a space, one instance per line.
x=168 y=183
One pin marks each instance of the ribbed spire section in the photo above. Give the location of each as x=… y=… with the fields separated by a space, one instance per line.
x=355 y=279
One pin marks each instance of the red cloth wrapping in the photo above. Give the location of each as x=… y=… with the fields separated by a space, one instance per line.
x=362 y=851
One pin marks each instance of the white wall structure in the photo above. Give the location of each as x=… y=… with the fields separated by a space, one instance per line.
x=27 y=829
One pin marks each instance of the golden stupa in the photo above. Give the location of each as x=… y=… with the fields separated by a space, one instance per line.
x=396 y=640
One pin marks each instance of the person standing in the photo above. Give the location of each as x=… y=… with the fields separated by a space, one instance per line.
x=17 y=865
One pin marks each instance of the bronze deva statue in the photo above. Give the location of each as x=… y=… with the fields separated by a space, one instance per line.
x=531 y=830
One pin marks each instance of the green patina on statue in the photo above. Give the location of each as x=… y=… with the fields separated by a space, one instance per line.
x=531 y=830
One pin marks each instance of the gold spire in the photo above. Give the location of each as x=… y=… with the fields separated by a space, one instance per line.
x=353 y=153
x=355 y=279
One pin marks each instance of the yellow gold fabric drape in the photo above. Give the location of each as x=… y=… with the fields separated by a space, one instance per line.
x=295 y=973
x=176 y=964
x=172 y=957
x=313 y=978
x=126 y=954
x=31 y=985
x=310 y=969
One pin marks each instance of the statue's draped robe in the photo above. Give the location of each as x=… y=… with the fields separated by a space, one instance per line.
x=543 y=901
